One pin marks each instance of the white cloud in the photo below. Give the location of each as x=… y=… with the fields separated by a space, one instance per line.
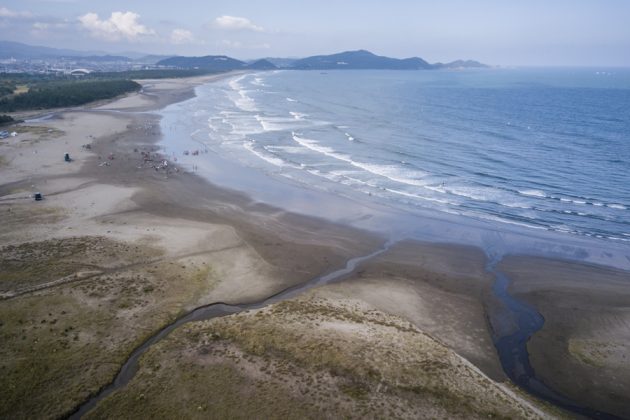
x=120 y=25
x=45 y=26
x=235 y=23
x=41 y=26
x=182 y=36
x=7 y=13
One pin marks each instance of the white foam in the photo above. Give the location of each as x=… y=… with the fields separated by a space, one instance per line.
x=275 y=123
x=212 y=123
x=420 y=197
x=439 y=189
x=291 y=100
x=345 y=178
x=258 y=81
x=617 y=206
x=298 y=115
x=234 y=83
x=392 y=173
x=245 y=102
x=567 y=200
x=350 y=138
x=508 y=221
x=264 y=156
x=614 y=238
x=533 y=193
x=240 y=97
x=285 y=149
x=481 y=194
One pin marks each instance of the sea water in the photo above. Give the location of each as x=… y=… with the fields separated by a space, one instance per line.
x=538 y=149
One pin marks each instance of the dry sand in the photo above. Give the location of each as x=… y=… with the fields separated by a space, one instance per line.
x=117 y=249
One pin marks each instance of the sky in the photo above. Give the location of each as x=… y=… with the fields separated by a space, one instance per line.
x=498 y=32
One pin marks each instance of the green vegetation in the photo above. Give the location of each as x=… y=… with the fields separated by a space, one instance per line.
x=5 y=119
x=66 y=93
x=22 y=91
x=306 y=358
x=7 y=87
x=63 y=343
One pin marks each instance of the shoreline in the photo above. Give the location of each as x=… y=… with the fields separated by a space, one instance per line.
x=363 y=212
x=257 y=247
x=267 y=181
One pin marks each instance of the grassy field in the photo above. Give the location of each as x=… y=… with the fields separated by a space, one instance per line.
x=307 y=358
x=63 y=342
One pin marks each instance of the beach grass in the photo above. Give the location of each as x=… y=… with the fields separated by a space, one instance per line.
x=307 y=358
x=61 y=344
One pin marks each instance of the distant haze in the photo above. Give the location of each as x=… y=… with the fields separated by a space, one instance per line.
x=502 y=32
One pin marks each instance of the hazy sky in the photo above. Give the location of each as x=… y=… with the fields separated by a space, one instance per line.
x=506 y=32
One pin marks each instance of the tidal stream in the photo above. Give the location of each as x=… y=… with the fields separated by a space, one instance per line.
x=516 y=324
x=511 y=346
x=215 y=310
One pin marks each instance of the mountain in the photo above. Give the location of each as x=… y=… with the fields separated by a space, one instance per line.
x=281 y=62
x=361 y=59
x=10 y=49
x=151 y=58
x=208 y=62
x=103 y=58
x=461 y=64
x=262 y=65
x=18 y=50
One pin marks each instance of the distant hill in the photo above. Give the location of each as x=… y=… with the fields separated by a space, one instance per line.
x=461 y=64
x=10 y=49
x=104 y=58
x=18 y=50
x=281 y=62
x=151 y=58
x=361 y=59
x=262 y=65
x=208 y=62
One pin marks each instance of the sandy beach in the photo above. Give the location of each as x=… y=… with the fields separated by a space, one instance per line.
x=122 y=245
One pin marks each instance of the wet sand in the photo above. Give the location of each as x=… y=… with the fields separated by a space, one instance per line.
x=583 y=349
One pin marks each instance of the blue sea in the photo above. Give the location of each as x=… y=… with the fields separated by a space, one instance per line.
x=538 y=149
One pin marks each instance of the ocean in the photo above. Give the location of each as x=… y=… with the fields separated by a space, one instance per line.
x=536 y=150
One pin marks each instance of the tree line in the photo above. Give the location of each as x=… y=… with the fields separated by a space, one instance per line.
x=64 y=93
x=5 y=119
